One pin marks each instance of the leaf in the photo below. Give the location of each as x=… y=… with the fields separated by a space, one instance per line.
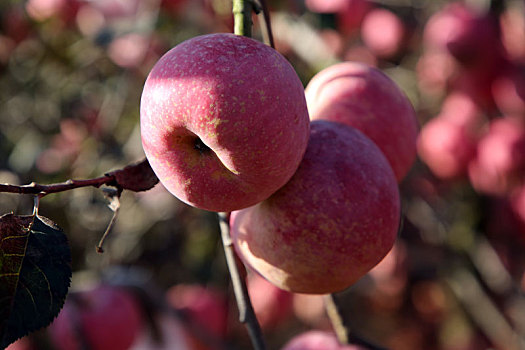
x=136 y=177
x=35 y=273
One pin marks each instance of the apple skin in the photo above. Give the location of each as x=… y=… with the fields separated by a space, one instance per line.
x=365 y=98
x=109 y=318
x=224 y=122
x=317 y=340
x=332 y=222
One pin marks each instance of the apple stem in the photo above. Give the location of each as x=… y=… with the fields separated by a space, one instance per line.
x=242 y=17
x=246 y=313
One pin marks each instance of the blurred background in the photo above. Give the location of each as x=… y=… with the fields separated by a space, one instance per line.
x=71 y=76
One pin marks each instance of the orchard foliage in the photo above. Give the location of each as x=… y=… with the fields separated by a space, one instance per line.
x=72 y=74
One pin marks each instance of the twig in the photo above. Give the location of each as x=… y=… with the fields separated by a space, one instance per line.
x=34 y=188
x=246 y=313
x=134 y=177
x=267 y=22
x=341 y=331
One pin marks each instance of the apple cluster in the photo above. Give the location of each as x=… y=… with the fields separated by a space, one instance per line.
x=310 y=176
x=474 y=62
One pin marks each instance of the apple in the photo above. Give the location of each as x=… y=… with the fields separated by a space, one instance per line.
x=224 y=122
x=499 y=164
x=272 y=305
x=206 y=308
x=332 y=222
x=508 y=90
x=350 y=17
x=103 y=318
x=447 y=146
x=317 y=340
x=383 y=32
x=365 y=98
x=512 y=24
x=470 y=37
x=310 y=309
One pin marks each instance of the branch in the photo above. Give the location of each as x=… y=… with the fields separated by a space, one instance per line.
x=135 y=177
x=246 y=313
x=34 y=188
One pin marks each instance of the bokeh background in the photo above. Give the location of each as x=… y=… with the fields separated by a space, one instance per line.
x=71 y=76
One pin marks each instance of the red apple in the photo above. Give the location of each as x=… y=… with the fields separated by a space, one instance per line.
x=205 y=307
x=332 y=222
x=383 y=32
x=224 y=121
x=272 y=305
x=310 y=309
x=317 y=340
x=446 y=146
x=103 y=318
x=471 y=38
x=365 y=98
x=350 y=17
x=508 y=90
x=499 y=165
x=512 y=24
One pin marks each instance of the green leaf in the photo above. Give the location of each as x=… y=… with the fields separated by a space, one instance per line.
x=35 y=273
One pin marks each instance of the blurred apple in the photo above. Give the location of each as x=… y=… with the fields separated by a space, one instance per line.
x=206 y=308
x=512 y=24
x=102 y=318
x=458 y=29
x=383 y=32
x=500 y=162
x=271 y=305
x=508 y=90
x=447 y=147
x=317 y=340
x=434 y=70
x=310 y=309
x=41 y=10
x=331 y=223
x=129 y=50
x=350 y=17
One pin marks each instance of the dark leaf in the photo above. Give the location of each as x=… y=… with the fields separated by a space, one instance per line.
x=35 y=273
x=136 y=177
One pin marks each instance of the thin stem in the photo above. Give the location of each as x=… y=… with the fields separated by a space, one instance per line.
x=341 y=330
x=336 y=319
x=242 y=17
x=246 y=313
x=266 y=14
